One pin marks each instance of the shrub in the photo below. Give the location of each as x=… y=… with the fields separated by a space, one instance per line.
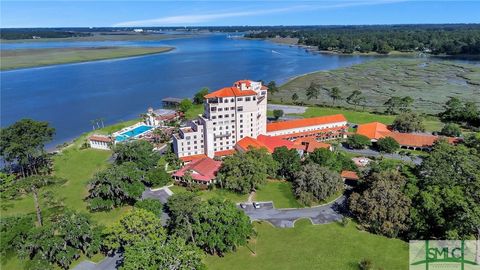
x=152 y=205
x=451 y=129
x=388 y=145
x=365 y=264
x=358 y=141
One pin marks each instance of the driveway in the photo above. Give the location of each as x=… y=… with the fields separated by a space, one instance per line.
x=285 y=218
x=109 y=263
x=161 y=194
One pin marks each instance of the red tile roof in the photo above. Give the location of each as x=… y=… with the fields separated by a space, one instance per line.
x=230 y=92
x=246 y=82
x=247 y=142
x=100 y=138
x=203 y=169
x=416 y=140
x=263 y=87
x=378 y=130
x=349 y=175
x=225 y=153
x=309 y=144
x=193 y=157
x=306 y=122
x=372 y=130
x=262 y=141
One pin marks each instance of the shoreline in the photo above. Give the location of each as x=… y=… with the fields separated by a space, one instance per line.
x=79 y=61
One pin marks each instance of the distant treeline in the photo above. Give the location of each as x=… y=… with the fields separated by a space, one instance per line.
x=13 y=34
x=436 y=39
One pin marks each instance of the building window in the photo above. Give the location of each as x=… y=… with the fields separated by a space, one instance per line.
x=240 y=109
x=247 y=99
x=232 y=100
x=239 y=99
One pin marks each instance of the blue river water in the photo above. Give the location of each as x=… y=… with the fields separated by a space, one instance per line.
x=69 y=96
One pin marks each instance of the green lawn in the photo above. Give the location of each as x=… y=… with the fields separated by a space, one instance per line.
x=279 y=192
x=307 y=246
x=194 y=111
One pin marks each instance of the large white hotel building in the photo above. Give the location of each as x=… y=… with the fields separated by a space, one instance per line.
x=234 y=113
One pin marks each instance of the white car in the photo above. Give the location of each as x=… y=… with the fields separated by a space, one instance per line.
x=256 y=205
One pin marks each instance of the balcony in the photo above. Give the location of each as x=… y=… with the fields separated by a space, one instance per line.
x=222 y=135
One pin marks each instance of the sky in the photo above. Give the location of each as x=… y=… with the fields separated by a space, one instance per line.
x=87 y=13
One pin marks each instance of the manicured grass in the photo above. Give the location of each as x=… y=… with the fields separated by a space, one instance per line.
x=429 y=82
x=25 y=58
x=357 y=117
x=215 y=193
x=280 y=192
x=194 y=111
x=307 y=246
x=360 y=117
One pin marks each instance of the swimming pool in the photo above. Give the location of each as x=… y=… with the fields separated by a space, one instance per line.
x=132 y=133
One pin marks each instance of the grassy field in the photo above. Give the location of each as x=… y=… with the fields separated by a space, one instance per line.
x=429 y=82
x=307 y=246
x=280 y=193
x=25 y=58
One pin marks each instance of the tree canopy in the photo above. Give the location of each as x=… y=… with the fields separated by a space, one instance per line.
x=23 y=142
x=357 y=141
x=408 y=122
x=199 y=96
x=315 y=183
x=245 y=171
x=139 y=152
x=288 y=162
x=335 y=161
x=387 y=145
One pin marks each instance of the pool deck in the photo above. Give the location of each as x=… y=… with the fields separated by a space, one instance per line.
x=130 y=128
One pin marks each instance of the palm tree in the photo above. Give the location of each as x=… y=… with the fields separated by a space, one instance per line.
x=144 y=116
x=312 y=91
x=93 y=124
x=33 y=184
x=334 y=94
x=101 y=120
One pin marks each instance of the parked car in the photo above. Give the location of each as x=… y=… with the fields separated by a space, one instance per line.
x=256 y=205
x=242 y=205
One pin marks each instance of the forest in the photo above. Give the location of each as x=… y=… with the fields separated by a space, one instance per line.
x=449 y=39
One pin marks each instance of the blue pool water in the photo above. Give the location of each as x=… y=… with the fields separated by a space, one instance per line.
x=132 y=133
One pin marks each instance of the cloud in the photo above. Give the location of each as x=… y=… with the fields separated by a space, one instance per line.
x=203 y=18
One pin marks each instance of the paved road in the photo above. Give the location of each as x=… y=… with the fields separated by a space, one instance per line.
x=287 y=109
x=109 y=263
x=161 y=194
x=285 y=218
x=370 y=152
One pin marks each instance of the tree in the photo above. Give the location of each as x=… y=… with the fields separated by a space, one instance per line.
x=451 y=129
x=32 y=184
x=355 y=98
x=335 y=161
x=152 y=205
x=453 y=110
x=199 y=96
x=472 y=140
x=335 y=94
x=294 y=97
x=171 y=254
x=315 y=182
x=388 y=145
x=13 y=230
x=185 y=105
x=139 y=152
x=135 y=227
x=357 y=141
x=277 y=114
x=408 y=122
x=272 y=87
x=243 y=172
x=312 y=91
x=114 y=187
x=288 y=162
x=157 y=177
x=447 y=204
x=23 y=144
x=392 y=103
x=182 y=208
x=382 y=208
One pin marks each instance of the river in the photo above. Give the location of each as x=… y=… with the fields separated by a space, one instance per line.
x=70 y=95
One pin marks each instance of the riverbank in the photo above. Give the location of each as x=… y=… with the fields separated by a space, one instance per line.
x=105 y=36
x=27 y=58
